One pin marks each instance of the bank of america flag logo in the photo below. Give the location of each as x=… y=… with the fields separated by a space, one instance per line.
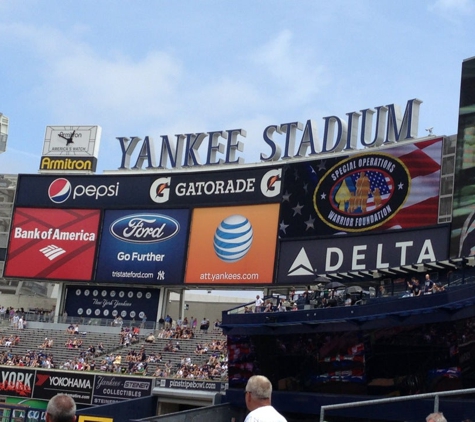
x=52 y=251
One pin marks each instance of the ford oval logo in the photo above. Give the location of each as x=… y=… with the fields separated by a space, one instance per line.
x=144 y=228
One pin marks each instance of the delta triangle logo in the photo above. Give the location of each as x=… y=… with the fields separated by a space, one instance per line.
x=301 y=265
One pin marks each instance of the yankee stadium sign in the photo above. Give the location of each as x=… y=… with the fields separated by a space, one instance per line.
x=299 y=139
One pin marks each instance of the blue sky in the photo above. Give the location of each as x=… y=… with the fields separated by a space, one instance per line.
x=155 y=68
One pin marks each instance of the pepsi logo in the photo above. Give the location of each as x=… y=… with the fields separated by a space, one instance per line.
x=59 y=190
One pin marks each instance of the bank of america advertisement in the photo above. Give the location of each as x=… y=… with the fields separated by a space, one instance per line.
x=52 y=244
x=232 y=245
x=396 y=188
x=143 y=246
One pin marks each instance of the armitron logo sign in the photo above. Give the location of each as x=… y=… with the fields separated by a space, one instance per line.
x=69 y=164
x=362 y=192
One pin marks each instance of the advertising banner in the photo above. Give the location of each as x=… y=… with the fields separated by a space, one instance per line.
x=146 y=247
x=250 y=185
x=16 y=382
x=110 y=302
x=77 y=385
x=300 y=261
x=190 y=384
x=232 y=245
x=110 y=389
x=52 y=244
x=371 y=191
x=463 y=218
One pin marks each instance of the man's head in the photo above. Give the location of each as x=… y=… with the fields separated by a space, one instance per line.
x=61 y=408
x=436 y=417
x=427 y=277
x=258 y=392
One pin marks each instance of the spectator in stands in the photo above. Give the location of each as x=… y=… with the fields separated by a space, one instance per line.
x=70 y=329
x=416 y=289
x=428 y=285
x=436 y=417
x=268 y=307
x=194 y=323
x=258 y=304
x=61 y=408
x=258 y=401
x=150 y=338
x=204 y=325
x=168 y=322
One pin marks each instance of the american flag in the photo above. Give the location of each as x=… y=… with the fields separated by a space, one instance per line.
x=298 y=217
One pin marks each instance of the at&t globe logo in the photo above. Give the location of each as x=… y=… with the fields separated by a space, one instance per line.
x=233 y=238
x=59 y=190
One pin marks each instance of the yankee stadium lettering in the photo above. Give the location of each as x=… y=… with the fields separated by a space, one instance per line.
x=338 y=135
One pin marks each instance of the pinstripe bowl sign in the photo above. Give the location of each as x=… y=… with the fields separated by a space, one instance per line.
x=362 y=192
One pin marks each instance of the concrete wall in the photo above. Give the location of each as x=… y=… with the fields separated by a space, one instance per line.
x=26 y=302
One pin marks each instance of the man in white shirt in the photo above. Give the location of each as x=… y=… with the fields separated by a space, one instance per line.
x=258 y=401
x=258 y=304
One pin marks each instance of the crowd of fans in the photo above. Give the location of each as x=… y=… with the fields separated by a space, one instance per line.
x=137 y=361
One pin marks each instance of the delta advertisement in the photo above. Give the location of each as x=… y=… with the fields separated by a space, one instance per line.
x=232 y=245
x=143 y=246
x=378 y=191
x=110 y=302
x=52 y=244
x=301 y=261
x=252 y=185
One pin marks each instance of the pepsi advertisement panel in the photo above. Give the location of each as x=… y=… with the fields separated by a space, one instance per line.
x=143 y=246
x=110 y=302
x=261 y=185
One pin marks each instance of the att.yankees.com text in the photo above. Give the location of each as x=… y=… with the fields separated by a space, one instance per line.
x=229 y=276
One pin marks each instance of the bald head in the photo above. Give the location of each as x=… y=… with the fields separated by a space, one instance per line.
x=61 y=408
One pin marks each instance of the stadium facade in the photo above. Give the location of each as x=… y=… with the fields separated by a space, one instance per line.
x=370 y=206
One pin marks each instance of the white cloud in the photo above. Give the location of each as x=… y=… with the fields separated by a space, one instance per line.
x=452 y=8
x=293 y=69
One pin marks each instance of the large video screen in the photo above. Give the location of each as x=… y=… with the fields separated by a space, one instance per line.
x=396 y=188
x=463 y=219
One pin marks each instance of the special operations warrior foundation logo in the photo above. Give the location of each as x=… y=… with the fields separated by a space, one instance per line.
x=362 y=192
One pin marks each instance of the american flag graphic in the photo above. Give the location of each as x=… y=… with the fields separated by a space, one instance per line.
x=298 y=217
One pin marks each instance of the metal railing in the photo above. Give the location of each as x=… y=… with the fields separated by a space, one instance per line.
x=373 y=402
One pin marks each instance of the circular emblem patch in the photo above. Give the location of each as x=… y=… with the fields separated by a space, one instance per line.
x=362 y=192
